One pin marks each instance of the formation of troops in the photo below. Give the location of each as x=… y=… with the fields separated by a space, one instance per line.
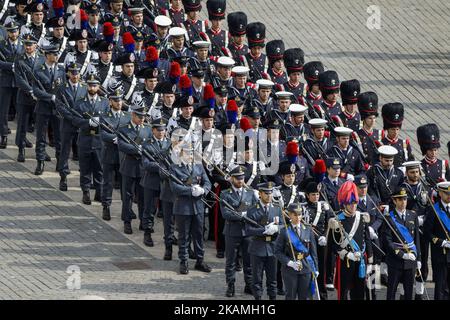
x=125 y=85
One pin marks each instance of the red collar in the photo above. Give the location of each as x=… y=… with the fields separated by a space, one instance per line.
x=315 y=97
x=329 y=105
x=237 y=46
x=348 y=115
x=254 y=58
x=277 y=73
x=290 y=84
x=394 y=141
x=430 y=161
x=174 y=10
x=216 y=32
x=369 y=133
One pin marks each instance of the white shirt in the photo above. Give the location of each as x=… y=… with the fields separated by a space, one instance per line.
x=446 y=206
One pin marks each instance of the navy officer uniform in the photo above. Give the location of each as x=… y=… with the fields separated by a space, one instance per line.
x=316 y=147
x=331 y=186
x=262 y=246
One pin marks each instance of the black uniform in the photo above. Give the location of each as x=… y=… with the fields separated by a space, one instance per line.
x=383 y=182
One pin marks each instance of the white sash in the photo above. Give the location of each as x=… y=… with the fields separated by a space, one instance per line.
x=155 y=100
x=108 y=75
x=293 y=194
x=5 y=7
x=86 y=62
x=318 y=214
x=443 y=170
x=405 y=150
x=44 y=32
x=352 y=231
x=63 y=47
x=254 y=171
x=133 y=85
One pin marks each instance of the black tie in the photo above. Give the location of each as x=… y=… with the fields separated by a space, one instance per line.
x=159 y=144
x=364 y=203
x=95 y=30
x=51 y=73
x=14 y=48
x=335 y=183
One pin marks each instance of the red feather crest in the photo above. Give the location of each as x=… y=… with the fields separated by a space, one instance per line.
x=175 y=69
x=292 y=148
x=347 y=193
x=319 y=166
x=108 y=29
x=232 y=105
x=57 y=4
x=185 y=82
x=151 y=54
x=208 y=93
x=127 y=38
x=83 y=15
x=244 y=124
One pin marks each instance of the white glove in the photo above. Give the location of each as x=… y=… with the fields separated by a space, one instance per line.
x=32 y=95
x=419 y=265
x=195 y=190
x=115 y=140
x=322 y=241
x=342 y=254
x=94 y=122
x=421 y=220
x=445 y=244
x=351 y=256
x=409 y=256
x=316 y=274
x=373 y=234
x=370 y=260
x=244 y=213
x=350 y=177
x=12 y=68
x=357 y=255
x=53 y=98
x=294 y=265
x=271 y=229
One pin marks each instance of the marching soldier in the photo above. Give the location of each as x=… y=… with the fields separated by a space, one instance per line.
x=240 y=75
x=296 y=126
x=50 y=75
x=332 y=182
x=130 y=162
x=369 y=136
x=436 y=170
x=177 y=49
x=317 y=213
x=114 y=119
x=275 y=51
x=92 y=107
x=129 y=81
x=351 y=160
x=184 y=120
x=104 y=67
x=437 y=228
x=403 y=246
x=25 y=102
x=392 y=122
x=311 y=71
x=255 y=60
x=94 y=27
x=150 y=76
x=72 y=91
x=176 y=13
x=263 y=98
x=294 y=59
x=316 y=146
x=351 y=243
x=329 y=86
x=350 y=116
x=20 y=16
x=36 y=26
x=384 y=176
x=193 y=25
x=57 y=37
x=289 y=191
x=223 y=77
x=115 y=10
x=9 y=48
x=283 y=100
x=165 y=109
x=137 y=23
x=160 y=39
x=201 y=59
x=217 y=36
x=262 y=246
x=241 y=198
x=295 y=249
x=82 y=55
x=237 y=26
x=188 y=208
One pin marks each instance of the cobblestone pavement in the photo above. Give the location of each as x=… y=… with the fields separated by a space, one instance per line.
x=44 y=231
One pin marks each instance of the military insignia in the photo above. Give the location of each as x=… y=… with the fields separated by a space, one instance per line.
x=58 y=81
x=241 y=26
x=110 y=47
x=40 y=7
x=155 y=72
x=363 y=180
x=29 y=1
x=174 y=88
x=139 y=34
x=403 y=192
x=296 y=61
x=355 y=93
x=116 y=19
x=396 y=116
x=258 y=35
x=336 y=161
x=370 y=104
x=237 y=99
x=316 y=72
x=219 y=10
x=270 y=185
x=132 y=57
x=278 y=50
x=61 y=21
x=158 y=41
x=211 y=113
x=333 y=82
x=190 y=100
x=255 y=109
x=84 y=34
x=432 y=137
x=276 y=122
x=94 y=7
x=293 y=168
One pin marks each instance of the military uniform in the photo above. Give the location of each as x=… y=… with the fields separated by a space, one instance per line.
x=237 y=26
x=311 y=71
x=294 y=59
x=330 y=189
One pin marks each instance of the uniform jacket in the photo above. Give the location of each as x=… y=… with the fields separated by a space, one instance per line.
x=110 y=151
x=72 y=98
x=7 y=78
x=45 y=105
x=151 y=179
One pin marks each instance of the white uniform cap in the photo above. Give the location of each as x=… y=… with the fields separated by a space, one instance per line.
x=443 y=186
x=295 y=107
x=388 y=151
x=263 y=83
x=201 y=44
x=163 y=21
x=343 y=131
x=176 y=32
x=226 y=61
x=284 y=94
x=240 y=70
x=317 y=122
x=410 y=164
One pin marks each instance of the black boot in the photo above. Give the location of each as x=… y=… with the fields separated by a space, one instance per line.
x=191 y=254
x=202 y=266
x=248 y=290
x=98 y=196
x=21 y=155
x=184 y=269
x=141 y=228
x=3 y=142
x=63 y=183
x=57 y=164
x=230 y=290
x=168 y=253
x=47 y=157
x=86 y=197
x=220 y=254
x=148 y=241
x=28 y=144
x=106 y=213
x=39 y=168
x=419 y=297
x=127 y=228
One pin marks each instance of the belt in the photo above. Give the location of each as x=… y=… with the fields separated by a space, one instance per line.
x=265 y=238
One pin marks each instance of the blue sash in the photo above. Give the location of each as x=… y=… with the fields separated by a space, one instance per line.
x=405 y=233
x=355 y=247
x=443 y=216
x=300 y=247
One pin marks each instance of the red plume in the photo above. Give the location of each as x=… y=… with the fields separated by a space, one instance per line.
x=151 y=54
x=208 y=93
x=232 y=106
x=347 y=193
x=319 y=166
x=185 y=82
x=292 y=148
x=57 y=4
x=226 y=51
x=127 y=38
x=244 y=124
x=83 y=15
x=175 y=69
x=108 y=29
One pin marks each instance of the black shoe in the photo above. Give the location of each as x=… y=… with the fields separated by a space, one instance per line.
x=28 y=144
x=92 y=187
x=202 y=266
x=419 y=297
x=191 y=254
x=140 y=226
x=133 y=215
x=220 y=255
x=51 y=144
x=30 y=129
x=127 y=228
x=47 y=158
x=174 y=240
x=117 y=185
x=148 y=241
x=402 y=297
x=97 y=197
x=39 y=168
x=57 y=165
x=238 y=267
x=21 y=155
x=230 y=291
x=9 y=130
x=248 y=290
x=11 y=117
x=106 y=213
x=63 y=184
x=75 y=157
x=281 y=292
x=168 y=253
x=3 y=142
x=86 y=198
x=159 y=214
x=383 y=279
x=184 y=269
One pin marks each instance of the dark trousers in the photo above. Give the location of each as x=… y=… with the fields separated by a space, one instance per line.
x=108 y=174
x=24 y=113
x=442 y=280
x=321 y=279
x=297 y=285
x=187 y=226
x=350 y=282
x=66 y=146
x=219 y=224
x=90 y=169
x=7 y=95
x=397 y=275
x=129 y=186
x=330 y=262
x=232 y=245
x=424 y=253
x=150 y=201
x=168 y=223
x=279 y=277
x=259 y=266
x=42 y=123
